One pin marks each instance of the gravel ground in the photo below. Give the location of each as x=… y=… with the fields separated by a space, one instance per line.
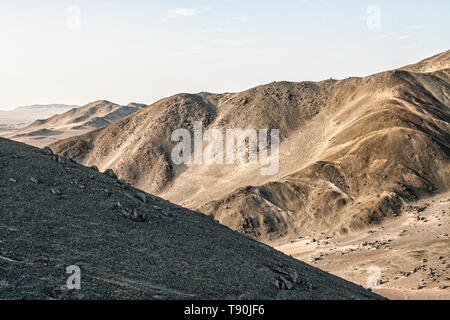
x=129 y=244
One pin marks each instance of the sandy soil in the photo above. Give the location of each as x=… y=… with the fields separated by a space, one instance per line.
x=220 y=180
x=412 y=252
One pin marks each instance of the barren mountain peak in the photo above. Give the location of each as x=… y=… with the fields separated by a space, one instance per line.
x=352 y=151
x=435 y=63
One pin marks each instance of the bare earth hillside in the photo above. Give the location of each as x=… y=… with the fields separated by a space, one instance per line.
x=411 y=252
x=352 y=151
x=129 y=244
x=20 y=117
x=75 y=121
x=432 y=64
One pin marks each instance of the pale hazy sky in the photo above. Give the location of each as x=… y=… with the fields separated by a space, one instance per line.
x=79 y=51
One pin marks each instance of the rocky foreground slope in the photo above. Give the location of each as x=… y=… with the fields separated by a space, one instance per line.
x=129 y=244
x=352 y=151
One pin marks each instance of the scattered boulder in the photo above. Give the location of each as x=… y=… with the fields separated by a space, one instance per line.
x=34 y=180
x=286 y=283
x=56 y=192
x=110 y=172
x=47 y=151
x=142 y=196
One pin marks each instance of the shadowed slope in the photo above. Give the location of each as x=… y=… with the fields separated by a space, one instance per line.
x=128 y=244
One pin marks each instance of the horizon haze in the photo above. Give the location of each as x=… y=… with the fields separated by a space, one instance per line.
x=76 y=52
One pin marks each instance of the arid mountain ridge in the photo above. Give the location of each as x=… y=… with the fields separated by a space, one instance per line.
x=73 y=122
x=352 y=151
x=11 y=120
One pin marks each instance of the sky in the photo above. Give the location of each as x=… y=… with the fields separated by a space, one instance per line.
x=79 y=51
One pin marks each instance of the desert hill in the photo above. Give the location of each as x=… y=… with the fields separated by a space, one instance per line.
x=73 y=122
x=20 y=117
x=139 y=147
x=352 y=151
x=435 y=63
x=130 y=244
x=385 y=148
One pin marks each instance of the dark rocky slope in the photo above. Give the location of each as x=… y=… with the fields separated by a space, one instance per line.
x=129 y=244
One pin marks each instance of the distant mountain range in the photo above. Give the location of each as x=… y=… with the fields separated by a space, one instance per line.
x=22 y=116
x=67 y=123
x=46 y=106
